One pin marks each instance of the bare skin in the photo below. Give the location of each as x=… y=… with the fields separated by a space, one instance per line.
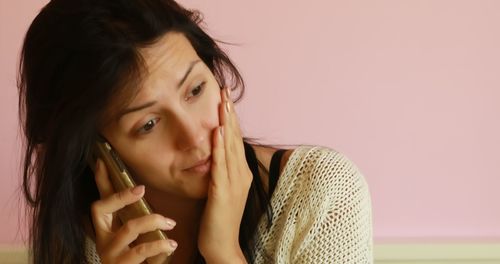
x=171 y=124
x=186 y=235
x=186 y=219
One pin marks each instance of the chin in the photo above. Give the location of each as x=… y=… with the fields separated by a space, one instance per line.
x=199 y=195
x=198 y=190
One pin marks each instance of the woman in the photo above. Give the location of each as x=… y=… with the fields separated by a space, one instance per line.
x=144 y=75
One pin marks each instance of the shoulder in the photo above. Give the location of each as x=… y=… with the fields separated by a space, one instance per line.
x=323 y=166
x=323 y=181
x=332 y=205
x=321 y=209
x=90 y=251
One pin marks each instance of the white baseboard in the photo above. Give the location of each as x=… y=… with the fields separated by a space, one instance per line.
x=13 y=254
x=433 y=253
x=457 y=253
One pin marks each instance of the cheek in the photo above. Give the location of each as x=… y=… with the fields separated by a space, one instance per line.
x=211 y=109
x=148 y=159
x=152 y=161
x=157 y=172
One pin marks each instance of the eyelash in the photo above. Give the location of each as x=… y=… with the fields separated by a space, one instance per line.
x=146 y=128
x=150 y=124
x=201 y=87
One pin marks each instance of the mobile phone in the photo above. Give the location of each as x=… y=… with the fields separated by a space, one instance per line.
x=121 y=179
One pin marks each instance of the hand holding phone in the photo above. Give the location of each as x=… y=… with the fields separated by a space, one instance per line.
x=120 y=196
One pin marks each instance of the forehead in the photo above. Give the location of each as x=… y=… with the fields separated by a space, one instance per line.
x=163 y=64
x=168 y=56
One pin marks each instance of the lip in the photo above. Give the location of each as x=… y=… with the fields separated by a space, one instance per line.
x=201 y=166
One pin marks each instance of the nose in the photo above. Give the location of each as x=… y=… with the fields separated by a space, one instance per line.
x=190 y=134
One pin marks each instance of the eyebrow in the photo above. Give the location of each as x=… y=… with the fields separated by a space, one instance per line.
x=191 y=66
x=149 y=104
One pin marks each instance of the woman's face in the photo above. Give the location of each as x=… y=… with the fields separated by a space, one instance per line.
x=168 y=126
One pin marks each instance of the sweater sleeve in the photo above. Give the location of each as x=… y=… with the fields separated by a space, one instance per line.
x=339 y=199
x=91 y=252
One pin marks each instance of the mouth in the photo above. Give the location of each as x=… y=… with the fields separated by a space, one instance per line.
x=201 y=166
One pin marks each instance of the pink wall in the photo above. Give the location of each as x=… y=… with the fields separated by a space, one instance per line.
x=409 y=90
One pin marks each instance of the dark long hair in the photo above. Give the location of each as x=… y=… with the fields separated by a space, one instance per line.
x=76 y=55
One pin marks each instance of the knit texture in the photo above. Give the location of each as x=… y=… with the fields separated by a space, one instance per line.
x=321 y=213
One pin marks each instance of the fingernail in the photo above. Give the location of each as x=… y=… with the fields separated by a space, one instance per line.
x=172 y=243
x=227 y=107
x=138 y=189
x=221 y=131
x=170 y=223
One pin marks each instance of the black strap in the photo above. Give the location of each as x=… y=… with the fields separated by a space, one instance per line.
x=252 y=160
x=274 y=170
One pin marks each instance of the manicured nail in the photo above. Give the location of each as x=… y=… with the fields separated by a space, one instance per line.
x=138 y=189
x=221 y=132
x=227 y=107
x=172 y=243
x=170 y=223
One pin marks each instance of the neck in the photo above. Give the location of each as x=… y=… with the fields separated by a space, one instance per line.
x=186 y=212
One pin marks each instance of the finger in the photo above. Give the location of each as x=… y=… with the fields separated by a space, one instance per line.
x=226 y=123
x=131 y=230
x=102 y=210
x=233 y=143
x=222 y=107
x=141 y=252
x=102 y=179
x=231 y=117
x=219 y=167
x=118 y=200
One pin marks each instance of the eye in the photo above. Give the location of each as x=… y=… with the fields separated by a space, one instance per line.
x=146 y=128
x=197 y=90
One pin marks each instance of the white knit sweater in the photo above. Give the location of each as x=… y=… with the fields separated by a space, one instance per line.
x=321 y=213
